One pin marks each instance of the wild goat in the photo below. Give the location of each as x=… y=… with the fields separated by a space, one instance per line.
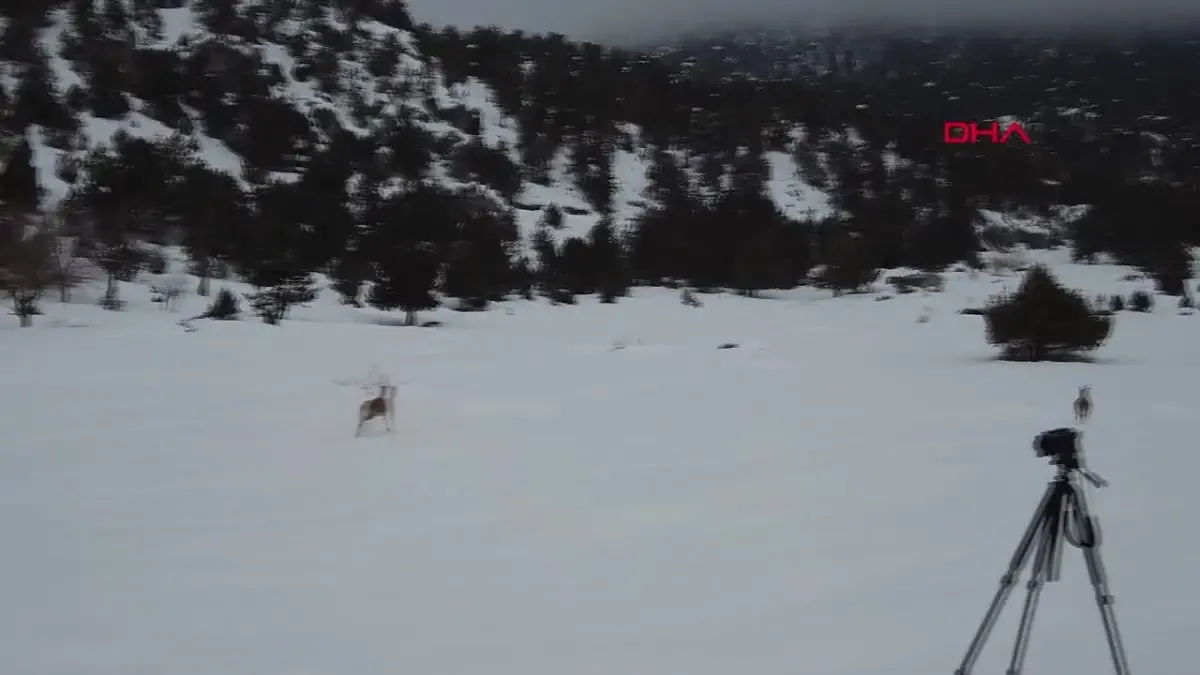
x=382 y=405
x=1083 y=404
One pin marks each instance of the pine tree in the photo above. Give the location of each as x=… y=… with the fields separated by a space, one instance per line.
x=1173 y=268
x=280 y=288
x=551 y=218
x=848 y=268
x=1043 y=320
x=477 y=269
x=36 y=101
x=272 y=259
x=405 y=280
x=348 y=274
x=546 y=252
x=755 y=267
x=19 y=189
x=211 y=209
x=608 y=257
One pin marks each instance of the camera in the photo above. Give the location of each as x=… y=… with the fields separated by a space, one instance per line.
x=1060 y=445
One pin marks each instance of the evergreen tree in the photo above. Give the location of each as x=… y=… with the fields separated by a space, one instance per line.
x=211 y=210
x=348 y=275
x=612 y=280
x=272 y=257
x=1043 y=320
x=848 y=268
x=551 y=218
x=1173 y=268
x=548 y=267
x=36 y=101
x=404 y=279
x=281 y=287
x=478 y=267
x=19 y=190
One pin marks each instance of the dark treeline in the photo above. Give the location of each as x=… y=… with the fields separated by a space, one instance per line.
x=353 y=188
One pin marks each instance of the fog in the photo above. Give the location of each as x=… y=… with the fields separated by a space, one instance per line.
x=629 y=20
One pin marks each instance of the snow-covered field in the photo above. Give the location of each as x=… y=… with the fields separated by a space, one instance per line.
x=589 y=490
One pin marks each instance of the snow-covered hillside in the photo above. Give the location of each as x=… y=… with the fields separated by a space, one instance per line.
x=363 y=103
x=182 y=32
x=591 y=489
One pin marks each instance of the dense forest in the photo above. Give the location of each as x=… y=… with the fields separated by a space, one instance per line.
x=402 y=203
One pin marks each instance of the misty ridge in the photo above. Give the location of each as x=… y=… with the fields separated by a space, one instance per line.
x=631 y=22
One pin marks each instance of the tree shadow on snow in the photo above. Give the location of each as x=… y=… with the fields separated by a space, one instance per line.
x=1052 y=359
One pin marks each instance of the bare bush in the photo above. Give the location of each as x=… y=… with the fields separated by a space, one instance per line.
x=68 y=265
x=689 y=299
x=167 y=292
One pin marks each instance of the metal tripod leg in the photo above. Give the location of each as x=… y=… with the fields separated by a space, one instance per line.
x=1104 y=599
x=1044 y=569
x=1019 y=559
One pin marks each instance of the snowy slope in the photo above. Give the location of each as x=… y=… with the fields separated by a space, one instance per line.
x=386 y=96
x=183 y=33
x=593 y=489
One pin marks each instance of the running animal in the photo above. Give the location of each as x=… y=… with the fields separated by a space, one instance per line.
x=382 y=405
x=1083 y=404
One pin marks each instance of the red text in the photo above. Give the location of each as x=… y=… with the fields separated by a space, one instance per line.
x=970 y=132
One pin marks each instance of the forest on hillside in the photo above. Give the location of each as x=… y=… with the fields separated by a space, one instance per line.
x=354 y=189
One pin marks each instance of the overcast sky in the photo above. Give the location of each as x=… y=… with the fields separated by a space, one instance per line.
x=613 y=19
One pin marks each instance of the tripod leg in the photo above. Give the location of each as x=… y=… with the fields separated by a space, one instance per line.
x=1048 y=549
x=1104 y=600
x=1019 y=559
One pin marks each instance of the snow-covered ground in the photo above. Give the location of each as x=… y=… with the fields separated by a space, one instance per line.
x=588 y=490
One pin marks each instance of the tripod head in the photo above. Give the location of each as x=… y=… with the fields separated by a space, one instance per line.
x=1064 y=450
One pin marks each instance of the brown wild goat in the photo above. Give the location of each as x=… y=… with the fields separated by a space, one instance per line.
x=382 y=405
x=1083 y=404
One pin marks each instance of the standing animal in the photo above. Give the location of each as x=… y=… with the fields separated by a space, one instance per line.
x=1083 y=404
x=382 y=405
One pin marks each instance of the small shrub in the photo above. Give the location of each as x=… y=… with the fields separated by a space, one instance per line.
x=1141 y=301
x=561 y=296
x=224 y=307
x=689 y=299
x=1186 y=302
x=1116 y=304
x=910 y=283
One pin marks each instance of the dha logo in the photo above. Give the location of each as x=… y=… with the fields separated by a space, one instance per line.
x=969 y=132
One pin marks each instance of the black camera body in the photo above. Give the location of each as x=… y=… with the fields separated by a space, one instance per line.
x=1060 y=445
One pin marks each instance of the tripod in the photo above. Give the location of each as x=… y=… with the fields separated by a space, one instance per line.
x=1061 y=514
